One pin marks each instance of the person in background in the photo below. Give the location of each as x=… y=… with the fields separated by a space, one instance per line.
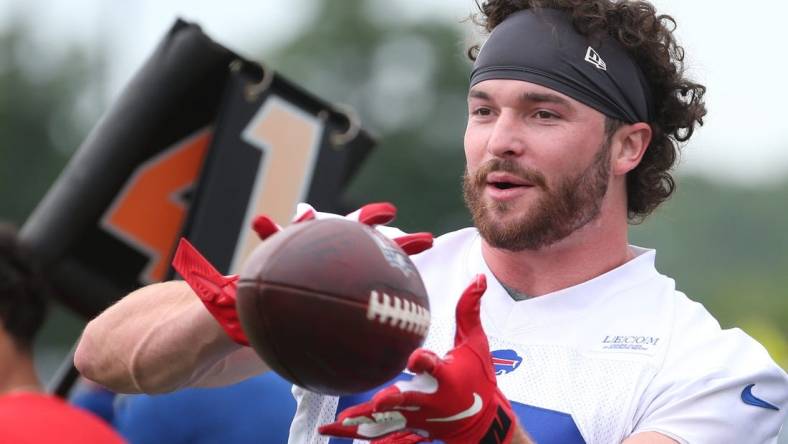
x=27 y=414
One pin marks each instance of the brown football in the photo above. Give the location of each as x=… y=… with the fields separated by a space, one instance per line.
x=333 y=306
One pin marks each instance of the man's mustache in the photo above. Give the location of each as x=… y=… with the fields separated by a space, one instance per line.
x=508 y=166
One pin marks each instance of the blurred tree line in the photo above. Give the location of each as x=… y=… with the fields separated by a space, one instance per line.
x=725 y=245
x=46 y=104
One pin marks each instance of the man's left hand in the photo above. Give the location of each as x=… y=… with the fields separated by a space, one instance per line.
x=455 y=398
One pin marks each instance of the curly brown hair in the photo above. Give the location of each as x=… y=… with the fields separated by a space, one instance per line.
x=648 y=37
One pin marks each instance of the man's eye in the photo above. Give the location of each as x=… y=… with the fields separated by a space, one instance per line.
x=542 y=114
x=481 y=111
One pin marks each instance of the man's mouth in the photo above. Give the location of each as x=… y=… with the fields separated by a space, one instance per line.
x=504 y=185
x=506 y=181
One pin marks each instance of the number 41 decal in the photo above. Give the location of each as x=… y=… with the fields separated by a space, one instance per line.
x=149 y=213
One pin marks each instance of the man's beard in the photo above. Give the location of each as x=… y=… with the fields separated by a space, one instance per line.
x=566 y=207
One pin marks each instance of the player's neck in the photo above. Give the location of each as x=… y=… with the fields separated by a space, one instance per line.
x=593 y=250
x=18 y=374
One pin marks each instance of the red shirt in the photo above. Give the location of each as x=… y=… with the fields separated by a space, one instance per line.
x=35 y=418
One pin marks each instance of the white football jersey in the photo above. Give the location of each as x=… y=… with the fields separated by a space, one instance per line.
x=597 y=362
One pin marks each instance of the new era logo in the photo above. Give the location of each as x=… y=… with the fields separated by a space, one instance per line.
x=595 y=59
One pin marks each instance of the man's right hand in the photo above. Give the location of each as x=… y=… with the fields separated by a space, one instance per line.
x=161 y=338
x=218 y=292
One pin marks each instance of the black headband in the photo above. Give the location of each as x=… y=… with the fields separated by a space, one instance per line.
x=544 y=48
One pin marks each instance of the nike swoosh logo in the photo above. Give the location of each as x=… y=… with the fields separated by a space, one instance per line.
x=475 y=408
x=749 y=398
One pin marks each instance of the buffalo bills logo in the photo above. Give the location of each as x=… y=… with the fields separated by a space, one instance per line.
x=505 y=361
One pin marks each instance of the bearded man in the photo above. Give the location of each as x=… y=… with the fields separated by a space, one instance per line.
x=576 y=110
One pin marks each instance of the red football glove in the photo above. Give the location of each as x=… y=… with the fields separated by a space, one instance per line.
x=217 y=292
x=401 y=438
x=454 y=399
x=372 y=214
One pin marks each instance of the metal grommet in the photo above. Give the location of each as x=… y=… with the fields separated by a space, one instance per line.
x=339 y=139
x=253 y=90
x=236 y=65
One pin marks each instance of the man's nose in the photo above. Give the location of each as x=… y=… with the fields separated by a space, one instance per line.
x=507 y=137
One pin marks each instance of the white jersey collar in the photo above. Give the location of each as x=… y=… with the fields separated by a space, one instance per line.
x=569 y=301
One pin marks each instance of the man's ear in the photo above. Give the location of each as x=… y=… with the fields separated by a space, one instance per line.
x=630 y=143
